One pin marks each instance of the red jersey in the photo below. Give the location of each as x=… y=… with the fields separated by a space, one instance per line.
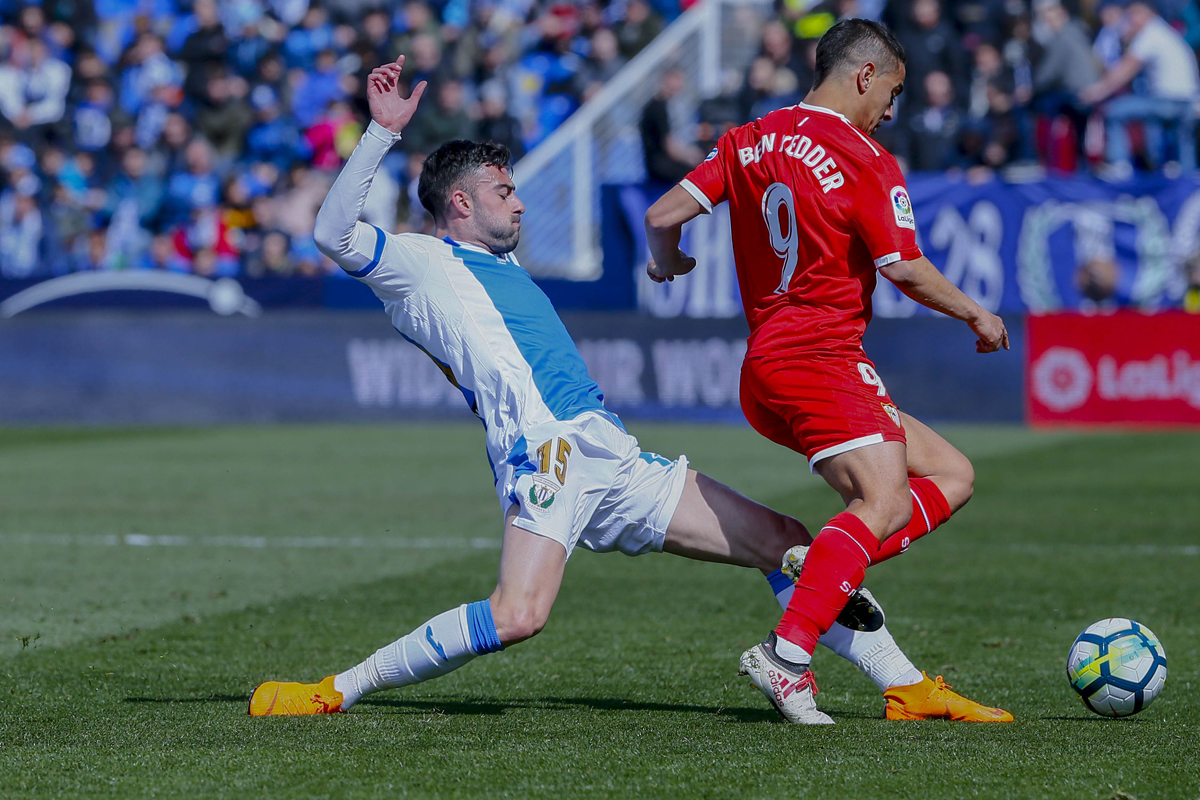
x=816 y=208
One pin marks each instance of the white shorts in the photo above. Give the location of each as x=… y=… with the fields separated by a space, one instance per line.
x=586 y=482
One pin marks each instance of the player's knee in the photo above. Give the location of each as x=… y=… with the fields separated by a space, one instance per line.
x=885 y=513
x=892 y=512
x=784 y=534
x=516 y=623
x=792 y=532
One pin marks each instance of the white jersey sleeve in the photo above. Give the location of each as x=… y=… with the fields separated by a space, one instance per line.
x=353 y=245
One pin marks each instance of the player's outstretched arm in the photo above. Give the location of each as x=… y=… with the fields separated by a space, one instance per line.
x=664 y=223
x=338 y=232
x=920 y=280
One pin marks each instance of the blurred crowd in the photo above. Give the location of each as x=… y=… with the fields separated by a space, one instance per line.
x=1108 y=86
x=201 y=136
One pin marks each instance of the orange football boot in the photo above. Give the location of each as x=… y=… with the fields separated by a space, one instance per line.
x=275 y=697
x=932 y=699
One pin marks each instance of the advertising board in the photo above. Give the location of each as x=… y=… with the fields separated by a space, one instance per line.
x=1113 y=369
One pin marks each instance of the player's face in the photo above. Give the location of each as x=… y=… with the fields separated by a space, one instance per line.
x=498 y=210
x=881 y=97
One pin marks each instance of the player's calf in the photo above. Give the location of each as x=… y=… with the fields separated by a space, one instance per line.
x=861 y=613
x=771 y=546
x=834 y=568
x=931 y=456
x=859 y=635
x=958 y=484
x=715 y=523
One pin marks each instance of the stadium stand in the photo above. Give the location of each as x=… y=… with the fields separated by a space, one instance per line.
x=201 y=137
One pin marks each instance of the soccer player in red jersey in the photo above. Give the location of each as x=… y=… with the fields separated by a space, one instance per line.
x=818 y=209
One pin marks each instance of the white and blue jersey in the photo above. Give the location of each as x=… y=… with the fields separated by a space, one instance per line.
x=494 y=334
x=485 y=323
x=479 y=316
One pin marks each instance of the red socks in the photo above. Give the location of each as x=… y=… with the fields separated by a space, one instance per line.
x=833 y=569
x=930 y=510
x=838 y=560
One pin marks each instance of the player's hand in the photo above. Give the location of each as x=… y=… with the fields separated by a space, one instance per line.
x=388 y=108
x=991 y=332
x=659 y=274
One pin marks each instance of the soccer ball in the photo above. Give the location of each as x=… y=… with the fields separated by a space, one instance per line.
x=1117 y=666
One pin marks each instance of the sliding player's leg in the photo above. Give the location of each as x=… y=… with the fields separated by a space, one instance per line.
x=715 y=523
x=941 y=481
x=531 y=571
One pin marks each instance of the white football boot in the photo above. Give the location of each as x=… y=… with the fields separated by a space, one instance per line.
x=862 y=611
x=790 y=687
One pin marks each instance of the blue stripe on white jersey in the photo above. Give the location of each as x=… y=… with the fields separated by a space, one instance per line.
x=559 y=372
x=488 y=326
x=380 y=240
x=479 y=316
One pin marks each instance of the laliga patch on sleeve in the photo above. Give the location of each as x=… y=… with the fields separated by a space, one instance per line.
x=902 y=208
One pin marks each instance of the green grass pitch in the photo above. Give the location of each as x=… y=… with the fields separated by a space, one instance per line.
x=150 y=578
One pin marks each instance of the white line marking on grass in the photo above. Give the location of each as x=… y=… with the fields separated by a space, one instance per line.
x=248 y=542
x=1109 y=549
x=479 y=543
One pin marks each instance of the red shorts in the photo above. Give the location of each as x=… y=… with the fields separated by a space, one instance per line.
x=819 y=405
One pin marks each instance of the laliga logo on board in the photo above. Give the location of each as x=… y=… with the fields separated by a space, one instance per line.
x=1062 y=379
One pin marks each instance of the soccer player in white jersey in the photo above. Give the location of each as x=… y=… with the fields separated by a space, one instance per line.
x=566 y=471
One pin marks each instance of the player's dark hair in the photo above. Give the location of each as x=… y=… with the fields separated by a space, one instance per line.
x=853 y=42
x=450 y=165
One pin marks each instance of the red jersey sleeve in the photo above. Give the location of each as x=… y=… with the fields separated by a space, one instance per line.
x=707 y=182
x=883 y=215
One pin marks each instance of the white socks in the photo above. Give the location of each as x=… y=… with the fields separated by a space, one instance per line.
x=875 y=653
x=790 y=651
x=452 y=638
x=441 y=645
